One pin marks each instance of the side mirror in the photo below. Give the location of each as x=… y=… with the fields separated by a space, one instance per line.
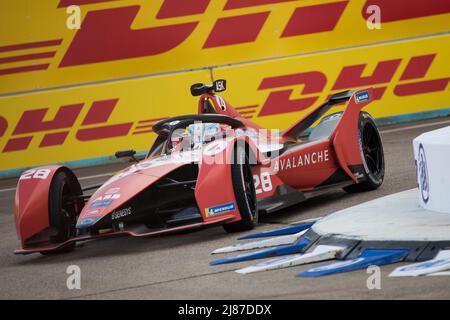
x=198 y=89
x=126 y=154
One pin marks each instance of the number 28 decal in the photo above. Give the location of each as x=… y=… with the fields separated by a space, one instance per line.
x=35 y=174
x=263 y=183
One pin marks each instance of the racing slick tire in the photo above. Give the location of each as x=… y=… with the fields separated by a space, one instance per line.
x=64 y=206
x=244 y=191
x=372 y=155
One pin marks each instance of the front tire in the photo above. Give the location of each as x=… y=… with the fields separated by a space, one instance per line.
x=372 y=154
x=244 y=191
x=64 y=206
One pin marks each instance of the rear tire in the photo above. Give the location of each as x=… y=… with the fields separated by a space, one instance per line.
x=372 y=155
x=244 y=191
x=63 y=208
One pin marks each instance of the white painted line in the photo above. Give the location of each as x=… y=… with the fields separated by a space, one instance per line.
x=264 y=243
x=80 y=179
x=439 y=264
x=8 y=189
x=320 y=253
x=96 y=176
x=442 y=273
x=311 y=220
x=424 y=125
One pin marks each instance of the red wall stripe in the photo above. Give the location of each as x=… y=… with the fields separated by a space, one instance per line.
x=394 y=10
x=53 y=139
x=66 y=3
x=100 y=111
x=16 y=144
x=312 y=19
x=417 y=67
x=421 y=87
x=31 y=45
x=32 y=56
x=33 y=120
x=236 y=4
x=237 y=29
x=115 y=130
x=106 y=35
x=180 y=8
x=23 y=69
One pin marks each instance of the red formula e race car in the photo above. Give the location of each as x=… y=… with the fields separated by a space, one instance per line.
x=205 y=169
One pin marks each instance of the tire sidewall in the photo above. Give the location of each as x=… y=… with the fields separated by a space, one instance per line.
x=62 y=221
x=241 y=160
x=373 y=179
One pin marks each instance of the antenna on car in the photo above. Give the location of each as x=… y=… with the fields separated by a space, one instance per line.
x=218 y=85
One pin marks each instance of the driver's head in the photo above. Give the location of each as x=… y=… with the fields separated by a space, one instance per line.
x=196 y=134
x=203 y=132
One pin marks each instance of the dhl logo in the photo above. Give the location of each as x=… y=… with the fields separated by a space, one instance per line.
x=106 y=34
x=95 y=124
x=279 y=101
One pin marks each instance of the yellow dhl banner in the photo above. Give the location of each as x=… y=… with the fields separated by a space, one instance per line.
x=92 y=121
x=126 y=38
x=95 y=121
x=407 y=77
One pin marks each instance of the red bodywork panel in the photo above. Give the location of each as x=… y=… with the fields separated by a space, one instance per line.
x=345 y=138
x=31 y=201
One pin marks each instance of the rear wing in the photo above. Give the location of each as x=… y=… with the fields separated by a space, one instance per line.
x=307 y=121
x=345 y=136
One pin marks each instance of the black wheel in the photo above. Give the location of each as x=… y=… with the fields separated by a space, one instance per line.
x=372 y=155
x=244 y=191
x=64 y=206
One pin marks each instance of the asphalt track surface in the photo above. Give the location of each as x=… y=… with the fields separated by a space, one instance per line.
x=176 y=266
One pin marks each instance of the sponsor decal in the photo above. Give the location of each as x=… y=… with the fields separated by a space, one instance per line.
x=104 y=203
x=113 y=190
x=263 y=182
x=422 y=175
x=220 y=209
x=35 y=174
x=362 y=97
x=108 y=197
x=302 y=160
x=359 y=175
x=86 y=221
x=117 y=214
x=93 y=213
x=221 y=102
x=220 y=85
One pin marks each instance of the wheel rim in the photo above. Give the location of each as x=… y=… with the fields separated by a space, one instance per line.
x=67 y=214
x=372 y=149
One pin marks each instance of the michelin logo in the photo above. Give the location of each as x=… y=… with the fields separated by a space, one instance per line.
x=220 y=209
x=362 y=97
